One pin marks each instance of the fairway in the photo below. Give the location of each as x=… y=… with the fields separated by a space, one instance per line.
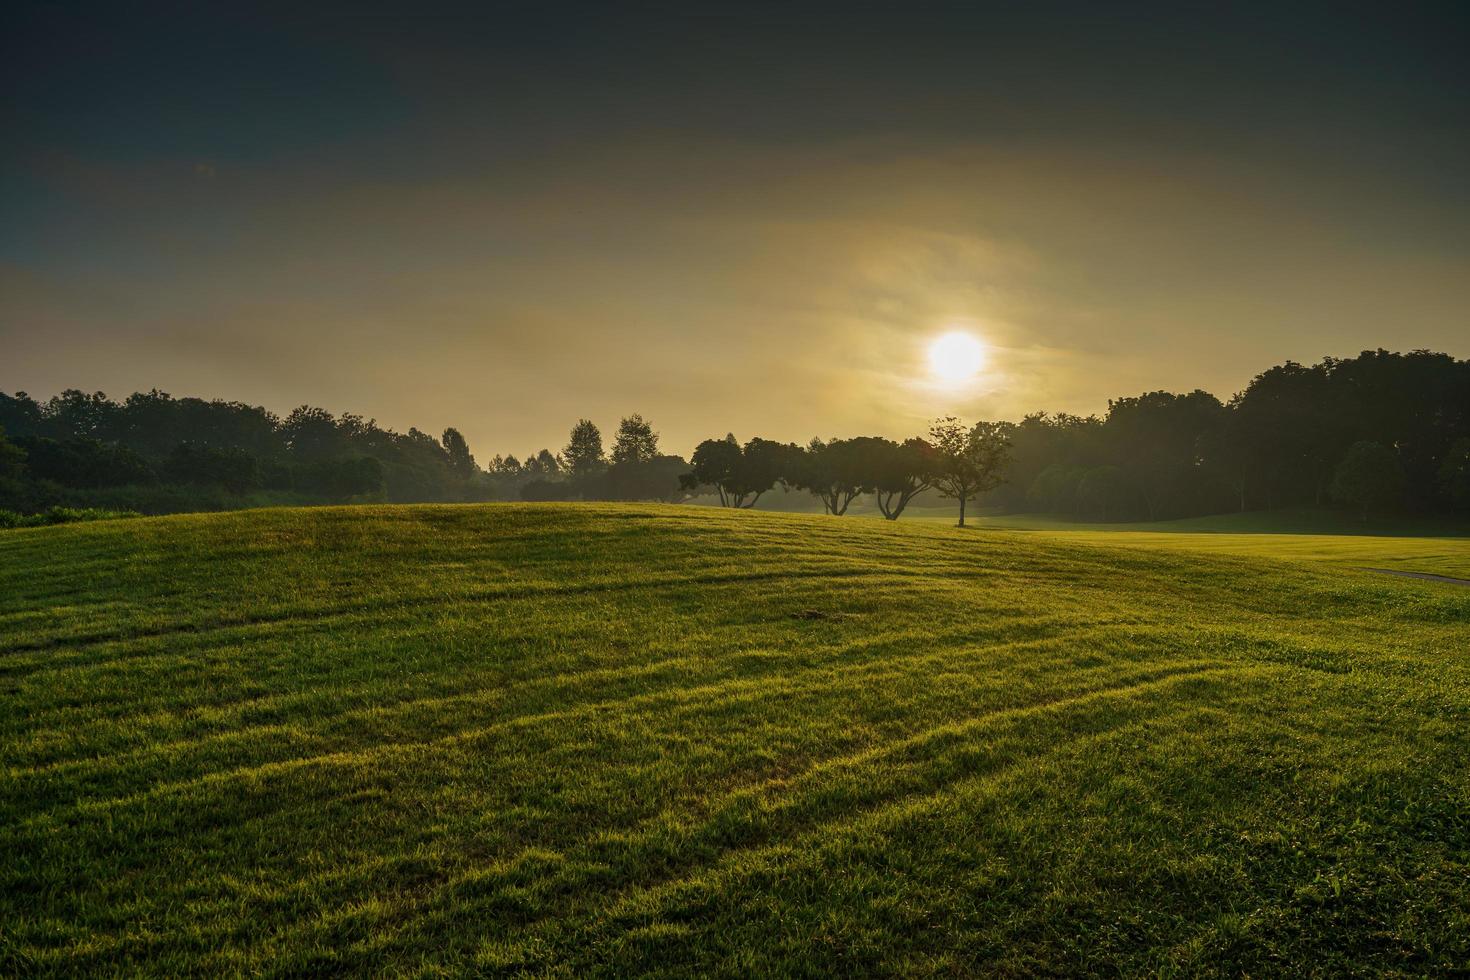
x=628 y=739
x=1446 y=556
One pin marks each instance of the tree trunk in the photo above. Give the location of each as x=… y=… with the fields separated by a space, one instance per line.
x=962 y=511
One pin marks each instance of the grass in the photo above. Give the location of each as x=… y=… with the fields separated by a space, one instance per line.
x=655 y=740
x=1434 y=548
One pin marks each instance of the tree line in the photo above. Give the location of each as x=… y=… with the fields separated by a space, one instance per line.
x=1379 y=432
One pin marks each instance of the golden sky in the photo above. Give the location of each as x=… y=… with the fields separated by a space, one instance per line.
x=758 y=237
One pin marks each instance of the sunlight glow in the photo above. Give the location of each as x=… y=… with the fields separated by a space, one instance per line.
x=956 y=357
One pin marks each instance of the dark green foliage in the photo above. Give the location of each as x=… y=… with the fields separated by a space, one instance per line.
x=739 y=475
x=654 y=478
x=231 y=469
x=340 y=480
x=546 y=490
x=1104 y=493
x=1454 y=475
x=214 y=455
x=1054 y=491
x=1370 y=476
x=838 y=470
x=1275 y=445
x=84 y=463
x=12 y=459
x=61 y=515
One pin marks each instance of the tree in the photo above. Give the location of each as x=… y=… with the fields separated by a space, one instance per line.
x=1054 y=491
x=543 y=464
x=1454 y=474
x=658 y=478
x=85 y=464
x=636 y=441
x=540 y=490
x=1104 y=492
x=969 y=461
x=899 y=473
x=460 y=459
x=1156 y=438
x=836 y=472
x=1370 y=475
x=764 y=463
x=12 y=458
x=738 y=476
x=583 y=455
x=311 y=433
x=716 y=463
x=76 y=414
x=233 y=469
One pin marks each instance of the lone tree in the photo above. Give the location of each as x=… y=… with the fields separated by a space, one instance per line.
x=636 y=441
x=583 y=455
x=1370 y=475
x=900 y=472
x=969 y=460
x=460 y=459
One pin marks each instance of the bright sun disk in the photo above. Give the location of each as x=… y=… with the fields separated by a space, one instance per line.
x=956 y=357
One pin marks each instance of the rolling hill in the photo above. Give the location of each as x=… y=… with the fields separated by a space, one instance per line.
x=636 y=739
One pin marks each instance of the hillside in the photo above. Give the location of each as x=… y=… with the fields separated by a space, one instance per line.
x=578 y=738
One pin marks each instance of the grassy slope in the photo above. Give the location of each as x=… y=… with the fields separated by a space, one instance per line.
x=1437 y=548
x=638 y=739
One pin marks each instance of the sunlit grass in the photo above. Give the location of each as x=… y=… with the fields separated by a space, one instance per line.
x=656 y=739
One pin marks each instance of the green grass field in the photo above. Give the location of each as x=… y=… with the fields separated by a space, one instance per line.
x=573 y=739
x=1419 y=548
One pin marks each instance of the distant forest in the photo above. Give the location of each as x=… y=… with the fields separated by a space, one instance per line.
x=1381 y=432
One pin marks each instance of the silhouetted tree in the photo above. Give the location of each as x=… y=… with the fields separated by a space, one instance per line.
x=12 y=458
x=1054 y=491
x=460 y=459
x=835 y=472
x=78 y=414
x=231 y=469
x=20 y=415
x=583 y=455
x=716 y=463
x=899 y=473
x=543 y=464
x=84 y=463
x=1454 y=474
x=738 y=475
x=1156 y=439
x=1103 y=492
x=636 y=441
x=311 y=434
x=1370 y=475
x=969 y=460
x=658 y=478
x=545 y=490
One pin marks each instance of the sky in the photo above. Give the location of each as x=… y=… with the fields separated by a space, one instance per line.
x=731 y=217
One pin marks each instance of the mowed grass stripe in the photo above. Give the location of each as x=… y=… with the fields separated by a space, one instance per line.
x=939 y=759
x=678 y=679
x=677 y=699
x=672 y=848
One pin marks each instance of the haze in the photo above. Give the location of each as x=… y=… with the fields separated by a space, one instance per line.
x=723 y=218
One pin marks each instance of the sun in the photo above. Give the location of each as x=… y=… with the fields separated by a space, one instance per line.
x=956 y=357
